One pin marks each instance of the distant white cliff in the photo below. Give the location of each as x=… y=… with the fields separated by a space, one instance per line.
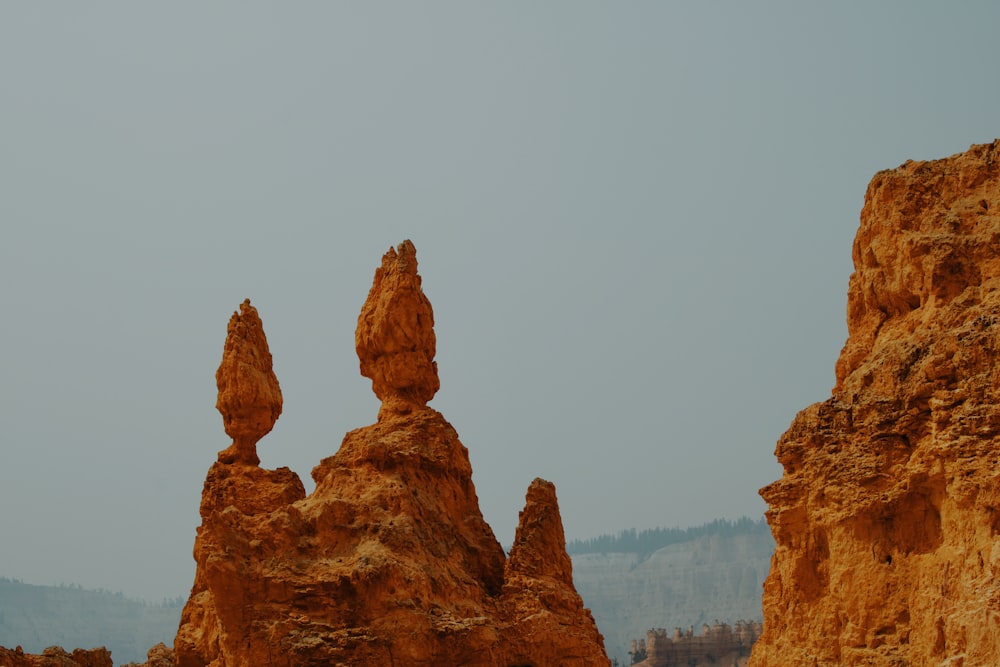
x=716 y=575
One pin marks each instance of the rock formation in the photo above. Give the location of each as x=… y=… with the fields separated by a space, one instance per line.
x=718 y=644
x=888 y=512
x=683 y=584
x=55 y=656
x=395 y=335
x=249 y=396
x=538 y=595
x=389 y=560
x=158 y=656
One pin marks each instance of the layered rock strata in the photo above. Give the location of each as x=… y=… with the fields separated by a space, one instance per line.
x=718 y=644
x=389 y=560
x=887 y=516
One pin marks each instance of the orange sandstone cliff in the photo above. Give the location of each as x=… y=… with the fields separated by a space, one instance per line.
x=887 y=516
x=389 y=561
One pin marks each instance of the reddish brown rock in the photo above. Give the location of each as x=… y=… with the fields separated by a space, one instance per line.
x=249 y=395
x=887 y=517
x=541 y=602
x=55 y=656
x=718 y=644
x=158 y=656
x=389 y=560
x=539 y=548
x=395 y=335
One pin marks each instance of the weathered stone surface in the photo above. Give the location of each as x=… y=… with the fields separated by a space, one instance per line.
x=55 y=656
x=718 y=644
x=888 y=512
x=389 y=560
x=548 y=622
x=249 y=395
x=395 y=335
x=158 y=656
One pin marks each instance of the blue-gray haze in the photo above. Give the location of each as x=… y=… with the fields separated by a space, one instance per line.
x=634 y=220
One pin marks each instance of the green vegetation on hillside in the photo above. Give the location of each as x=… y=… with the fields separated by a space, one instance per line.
x=649 y=540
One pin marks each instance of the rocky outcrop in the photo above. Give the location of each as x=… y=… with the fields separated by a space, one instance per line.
x=395 y=335
x=249 y=395
x=887 y=515
x=718 y=644
x=54 y=656
x=389 y=560
x=160 y=655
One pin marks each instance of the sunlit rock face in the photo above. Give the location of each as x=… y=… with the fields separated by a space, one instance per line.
x=395 y=335
x=888 y=512
x=546 y=622
x=389 y=561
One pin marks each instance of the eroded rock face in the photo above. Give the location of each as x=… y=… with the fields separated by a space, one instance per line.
x=888 y=513
x=159 y=656
x=249 y=395
x=389 y=560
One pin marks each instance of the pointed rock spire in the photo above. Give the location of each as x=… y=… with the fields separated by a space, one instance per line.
x=249 y=395
x=539 y=548
x=395 y=335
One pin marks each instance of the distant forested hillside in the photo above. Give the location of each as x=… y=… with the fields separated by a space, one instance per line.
x=672 y=577
x=36 y=617
x=649 y=540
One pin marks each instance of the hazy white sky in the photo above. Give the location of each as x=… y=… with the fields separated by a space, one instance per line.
x=634 y=221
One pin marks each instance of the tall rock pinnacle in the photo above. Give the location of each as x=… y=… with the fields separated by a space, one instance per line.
x=249 y=395
x=395 y=335
x=538 y=590
x=540 y=545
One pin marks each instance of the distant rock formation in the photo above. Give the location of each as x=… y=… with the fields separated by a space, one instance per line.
x=718 y=644
x=160 y=655
x=389 y=560
x=887 y=516
x=35 y=617
x=55 y=656
x=716 y=574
